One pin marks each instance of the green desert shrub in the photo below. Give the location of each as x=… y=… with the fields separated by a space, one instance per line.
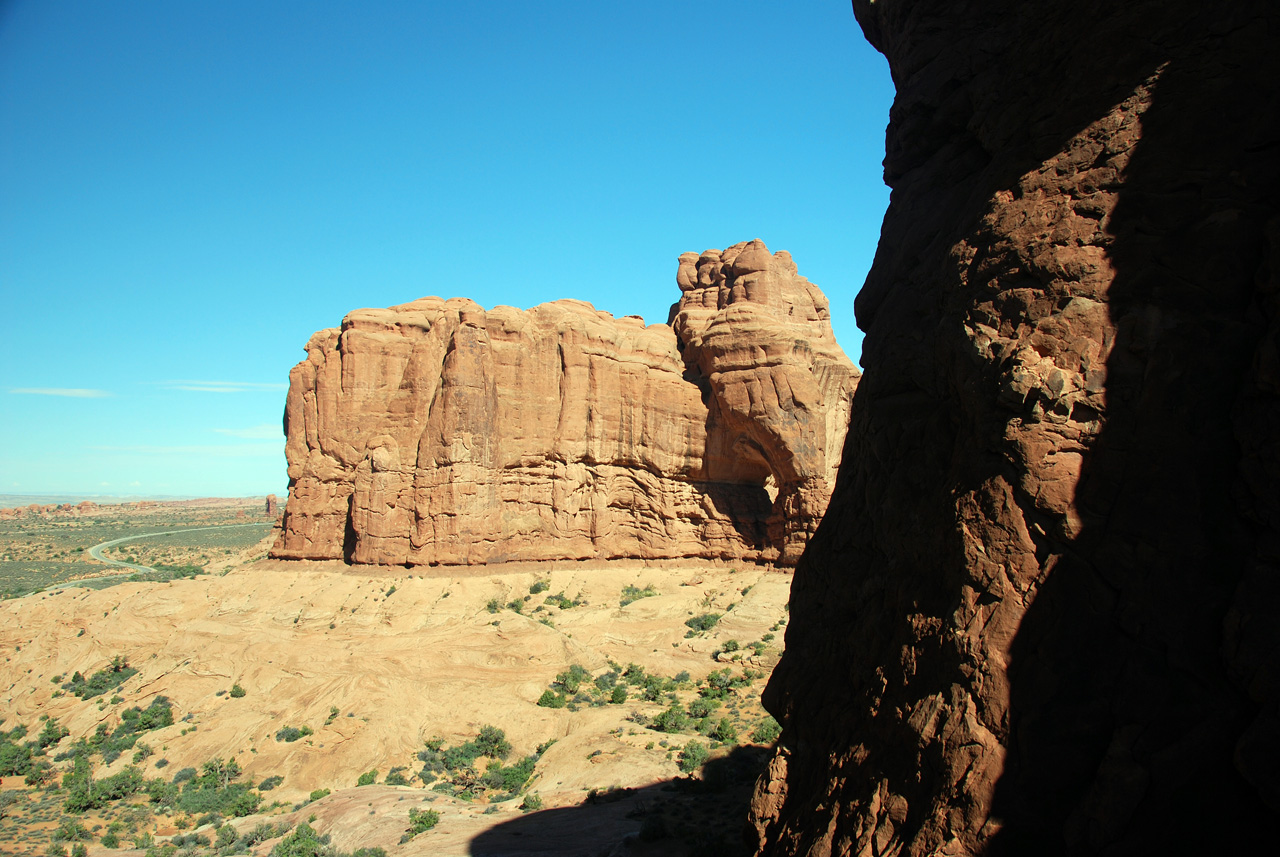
x=720 y=682
x=70 y=830
x=702 y=707
x=293 y=733
x=15 y=759
x=551 y=699
x=420 y=821
x=492 y=742
x=632 y=593
x=51 y=734
x=84 y=793
x=692 y=756
x=562 y=601
x=304 y=841
x=226 y=838
x=571 y=679
x=766 y=731
x=509 y=779
x=108 y=678
x=725 y=732
x=702 y=622
x=672 y=720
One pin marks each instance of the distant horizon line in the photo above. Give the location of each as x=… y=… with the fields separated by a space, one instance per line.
x=86 y=495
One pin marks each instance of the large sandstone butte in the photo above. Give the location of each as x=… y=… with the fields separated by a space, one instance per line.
x=1041 y=614
x=437 y=432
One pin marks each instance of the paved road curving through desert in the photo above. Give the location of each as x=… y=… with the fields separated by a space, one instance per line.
x=96 y=550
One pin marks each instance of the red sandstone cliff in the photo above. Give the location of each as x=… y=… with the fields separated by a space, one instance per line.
x=1041 y=615
x=437 y=432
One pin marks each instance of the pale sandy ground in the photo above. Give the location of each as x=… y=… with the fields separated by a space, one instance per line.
x=428 y=660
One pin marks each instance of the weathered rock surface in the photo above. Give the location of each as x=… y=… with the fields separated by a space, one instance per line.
x=437 y=432
x=1041 y=615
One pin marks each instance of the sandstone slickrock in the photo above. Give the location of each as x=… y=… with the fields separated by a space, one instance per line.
x=1042 y=613
x=437 y=432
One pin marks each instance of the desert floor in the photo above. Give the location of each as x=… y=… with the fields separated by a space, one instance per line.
x=377 y=661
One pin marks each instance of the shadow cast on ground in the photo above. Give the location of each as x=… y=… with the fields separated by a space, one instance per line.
x=703 y=816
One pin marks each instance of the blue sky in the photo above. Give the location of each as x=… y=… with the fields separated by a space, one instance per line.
x=188 y=190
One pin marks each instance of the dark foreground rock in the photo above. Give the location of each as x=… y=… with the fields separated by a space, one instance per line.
x=1041 y=615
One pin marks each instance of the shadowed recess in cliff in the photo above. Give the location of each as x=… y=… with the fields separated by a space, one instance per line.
x=1039 y=523
x=1128 y=700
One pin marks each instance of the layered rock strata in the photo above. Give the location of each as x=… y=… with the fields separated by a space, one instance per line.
x=437 y=432
x=1041 y=615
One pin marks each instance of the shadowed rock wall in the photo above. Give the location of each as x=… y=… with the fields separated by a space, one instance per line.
x=437 y=432
x=1041 y=615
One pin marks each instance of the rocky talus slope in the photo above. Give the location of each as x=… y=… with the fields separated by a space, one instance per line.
x=437 y=432
x=1041 y=615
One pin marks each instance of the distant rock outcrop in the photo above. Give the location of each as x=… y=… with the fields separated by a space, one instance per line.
x=437 y=432
x=1042 y=614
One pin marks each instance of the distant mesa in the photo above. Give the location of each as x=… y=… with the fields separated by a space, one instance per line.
x=91 y=507
x=436 y=432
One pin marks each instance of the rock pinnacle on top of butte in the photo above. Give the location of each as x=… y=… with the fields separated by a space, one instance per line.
x=440 y=433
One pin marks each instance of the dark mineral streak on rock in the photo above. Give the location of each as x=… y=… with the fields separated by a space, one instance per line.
x=1042 y=613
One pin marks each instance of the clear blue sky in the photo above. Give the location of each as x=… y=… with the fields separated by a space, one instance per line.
x=189 y=189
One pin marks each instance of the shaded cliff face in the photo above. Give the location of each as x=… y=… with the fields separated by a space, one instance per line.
x=1042 y=612
x=437 y=432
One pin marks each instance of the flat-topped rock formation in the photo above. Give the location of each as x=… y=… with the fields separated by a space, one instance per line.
x=1041 y=613
x=438 y=432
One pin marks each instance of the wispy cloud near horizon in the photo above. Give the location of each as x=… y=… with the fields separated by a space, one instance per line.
x=229 y=450
x=263 y=432
x=224 y=386
x=66 y=392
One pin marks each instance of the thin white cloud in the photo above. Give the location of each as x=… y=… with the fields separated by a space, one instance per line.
x=69 y=392
x=270 y=431
x=224 y=386
x=236 y=450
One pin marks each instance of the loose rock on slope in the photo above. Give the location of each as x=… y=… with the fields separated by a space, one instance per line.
x=437 y=432
x=1040 y=615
